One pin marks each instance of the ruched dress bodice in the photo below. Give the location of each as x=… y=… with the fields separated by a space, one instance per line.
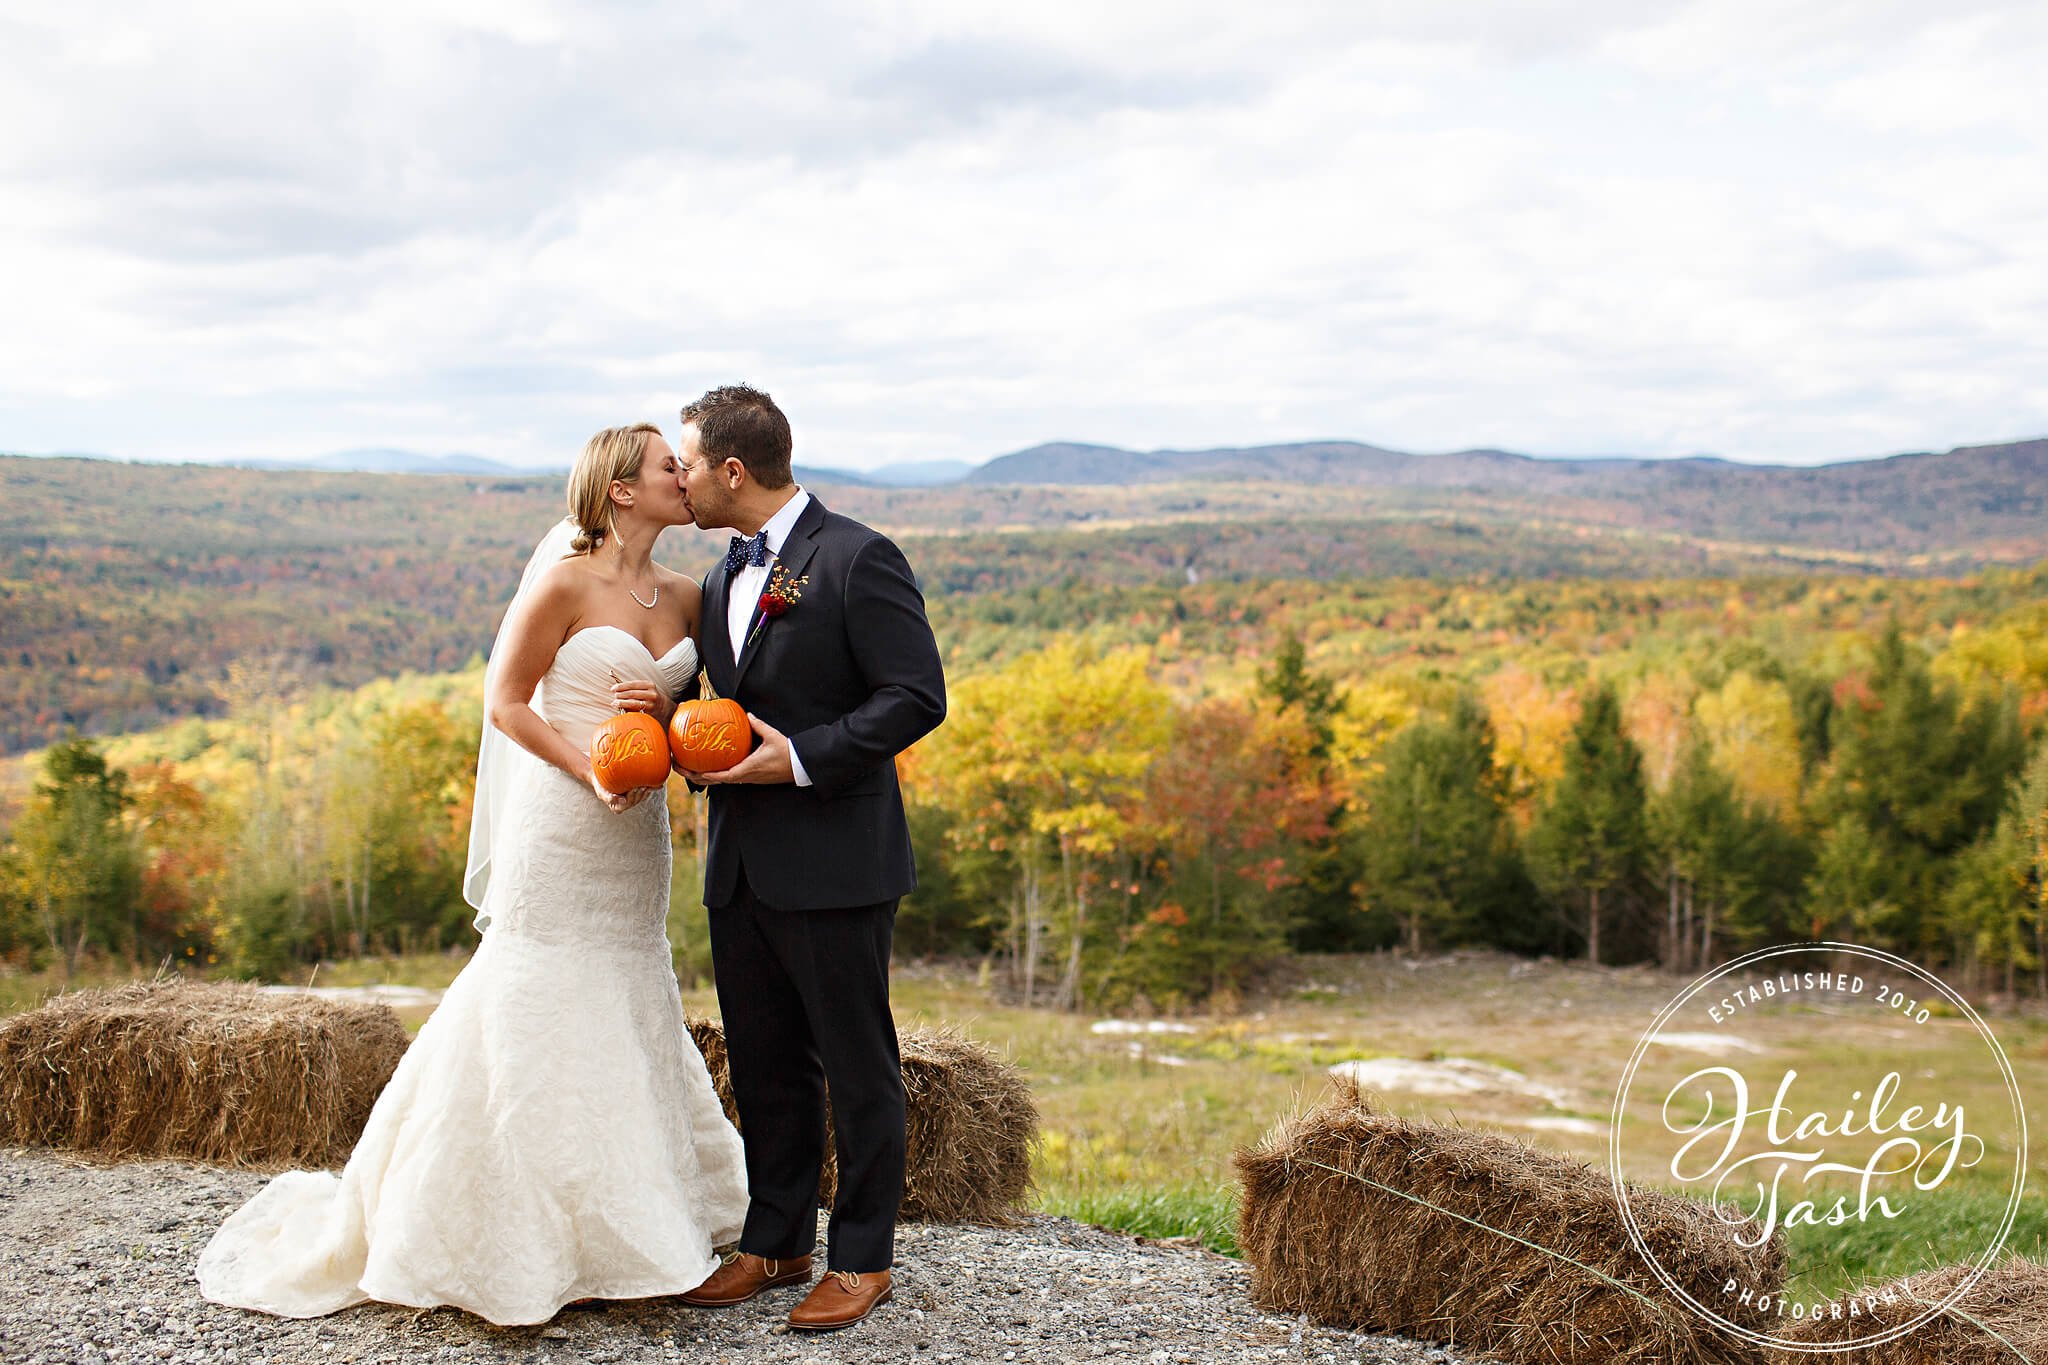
x=573 y=870
x=576 y=694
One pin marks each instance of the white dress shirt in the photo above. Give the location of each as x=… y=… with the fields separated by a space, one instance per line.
x=743 y=595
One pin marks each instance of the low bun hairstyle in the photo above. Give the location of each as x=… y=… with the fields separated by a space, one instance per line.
x=613 y=454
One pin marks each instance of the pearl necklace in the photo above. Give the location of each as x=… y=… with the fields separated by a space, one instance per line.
x=636 y=596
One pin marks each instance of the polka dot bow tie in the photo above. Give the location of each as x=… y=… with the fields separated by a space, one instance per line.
x=746 y=552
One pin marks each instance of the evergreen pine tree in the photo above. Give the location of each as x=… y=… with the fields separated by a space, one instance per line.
x=1435 y=845
x=1590 y=844
x=1916 y=775
x=2030 y=816
x=1292 y=683
x=1995 y=910
x=76 y=870
x=1730 y=869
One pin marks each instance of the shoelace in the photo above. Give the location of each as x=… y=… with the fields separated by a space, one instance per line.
x=849 y=1280
x=726 y=1258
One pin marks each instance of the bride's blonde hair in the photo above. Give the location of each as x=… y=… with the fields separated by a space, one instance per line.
x=613 y=455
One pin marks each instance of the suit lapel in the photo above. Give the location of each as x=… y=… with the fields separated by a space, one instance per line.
x=797 y=549
x=717 y=635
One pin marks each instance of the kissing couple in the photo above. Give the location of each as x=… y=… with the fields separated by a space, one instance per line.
x=552 y=1137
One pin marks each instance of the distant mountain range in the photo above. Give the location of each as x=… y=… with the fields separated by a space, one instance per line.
x=1989 y=500
x=2011 y=478
x=1350 y=462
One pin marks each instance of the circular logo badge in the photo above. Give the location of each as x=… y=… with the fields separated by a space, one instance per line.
x=1832 y=1095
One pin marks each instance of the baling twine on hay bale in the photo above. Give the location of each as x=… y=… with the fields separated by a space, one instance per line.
x=2000 y=1320
x=1360 y=1218
x=970 y=1127
x=217 y=1073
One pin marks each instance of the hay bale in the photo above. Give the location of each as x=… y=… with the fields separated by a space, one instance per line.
x=2011 y=1300
x=709 y=1036
x=216 y=1073
x=970 y=1126
x=1323 y=1242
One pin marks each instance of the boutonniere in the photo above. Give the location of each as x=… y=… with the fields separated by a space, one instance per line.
x=782 y=593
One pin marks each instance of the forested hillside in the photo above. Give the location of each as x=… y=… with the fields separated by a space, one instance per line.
x=127 y=590
x=1148 y=790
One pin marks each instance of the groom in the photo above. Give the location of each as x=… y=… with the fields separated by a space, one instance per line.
x=815 y=625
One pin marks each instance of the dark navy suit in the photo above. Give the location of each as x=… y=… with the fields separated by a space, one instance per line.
x=801 y=883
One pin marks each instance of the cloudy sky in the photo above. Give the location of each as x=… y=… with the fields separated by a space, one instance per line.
x=1767 y=229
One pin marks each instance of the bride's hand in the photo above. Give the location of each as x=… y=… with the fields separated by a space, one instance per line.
x=642 y=696
x=618 y=802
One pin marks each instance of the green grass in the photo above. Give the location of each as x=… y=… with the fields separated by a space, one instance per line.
x=1826 y=1261
x=430 y=970
x=26 y=990
x=1208 y=1215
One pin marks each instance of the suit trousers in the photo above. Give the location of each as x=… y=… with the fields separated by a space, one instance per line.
x=805 y=1000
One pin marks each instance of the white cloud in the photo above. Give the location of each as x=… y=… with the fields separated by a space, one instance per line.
x=954 y=231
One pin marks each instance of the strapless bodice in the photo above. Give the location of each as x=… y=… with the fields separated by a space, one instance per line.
x=575 y=696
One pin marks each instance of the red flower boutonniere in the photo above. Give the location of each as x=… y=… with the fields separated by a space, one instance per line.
x=782 y=593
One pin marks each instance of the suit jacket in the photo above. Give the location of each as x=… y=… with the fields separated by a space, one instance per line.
x=851 y=674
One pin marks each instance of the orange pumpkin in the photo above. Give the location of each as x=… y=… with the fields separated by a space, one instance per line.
x=629 y=751
x=710 y=736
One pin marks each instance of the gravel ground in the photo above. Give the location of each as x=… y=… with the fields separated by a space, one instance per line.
x=96 y=1266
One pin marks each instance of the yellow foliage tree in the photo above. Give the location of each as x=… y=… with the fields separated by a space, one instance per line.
x=1752 y=732
x=1657 y=717
x=1532 y=723
x=2013 y=649
x=1044 y=763
x=1374 y=712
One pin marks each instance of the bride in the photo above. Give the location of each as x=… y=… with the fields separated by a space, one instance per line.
x=552 y=1135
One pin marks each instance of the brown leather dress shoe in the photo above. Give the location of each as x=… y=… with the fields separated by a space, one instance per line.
x=841 y=1299
x=741 y=1275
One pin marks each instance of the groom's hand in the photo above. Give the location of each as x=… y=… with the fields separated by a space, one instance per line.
x=768 y=764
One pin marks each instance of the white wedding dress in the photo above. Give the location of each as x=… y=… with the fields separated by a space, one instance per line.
x=552 y=1134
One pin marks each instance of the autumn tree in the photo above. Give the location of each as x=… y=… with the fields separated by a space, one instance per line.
x=1317 y=905
x=1751 y=728
x=178 y=839
x=2009 y=650
x=1532 y=725
x=419 y=825
x=1239 y=804
x=1658 y=717
x=944 y=914
x=1045 y=765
